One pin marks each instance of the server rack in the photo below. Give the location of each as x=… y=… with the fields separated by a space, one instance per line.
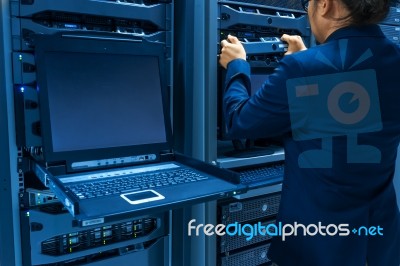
x=49 y=234
x=259 y=26
x=391 y=25
x=49 y=238
x=10 y=250
x=253 y=211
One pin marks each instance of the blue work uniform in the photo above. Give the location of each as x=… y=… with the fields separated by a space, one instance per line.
x=337 y=108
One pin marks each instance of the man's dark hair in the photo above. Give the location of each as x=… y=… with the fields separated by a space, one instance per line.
x=364 y=12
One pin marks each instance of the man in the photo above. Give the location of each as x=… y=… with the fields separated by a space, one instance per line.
x=336 y=108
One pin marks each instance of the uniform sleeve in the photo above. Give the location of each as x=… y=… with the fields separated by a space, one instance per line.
x=265 y=114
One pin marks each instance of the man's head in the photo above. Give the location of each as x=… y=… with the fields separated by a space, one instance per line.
x=326 y=16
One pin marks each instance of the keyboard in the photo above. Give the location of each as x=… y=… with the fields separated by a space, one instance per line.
x=137 y=182
x=260 y=174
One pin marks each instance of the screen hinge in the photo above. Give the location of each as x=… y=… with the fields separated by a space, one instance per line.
x=166 y=155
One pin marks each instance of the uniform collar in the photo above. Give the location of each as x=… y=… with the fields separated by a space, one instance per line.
x=355 y=31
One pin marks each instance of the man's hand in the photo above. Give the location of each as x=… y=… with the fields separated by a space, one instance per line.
x=231 y=49
x=295 y=43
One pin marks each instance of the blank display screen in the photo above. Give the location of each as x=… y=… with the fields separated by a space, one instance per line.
x=103 y=100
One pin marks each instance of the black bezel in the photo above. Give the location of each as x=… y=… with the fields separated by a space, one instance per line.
x=77 y=43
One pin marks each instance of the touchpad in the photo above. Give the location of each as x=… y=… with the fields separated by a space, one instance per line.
x=139 y=197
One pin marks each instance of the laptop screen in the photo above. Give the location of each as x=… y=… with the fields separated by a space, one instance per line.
x=101 y=98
